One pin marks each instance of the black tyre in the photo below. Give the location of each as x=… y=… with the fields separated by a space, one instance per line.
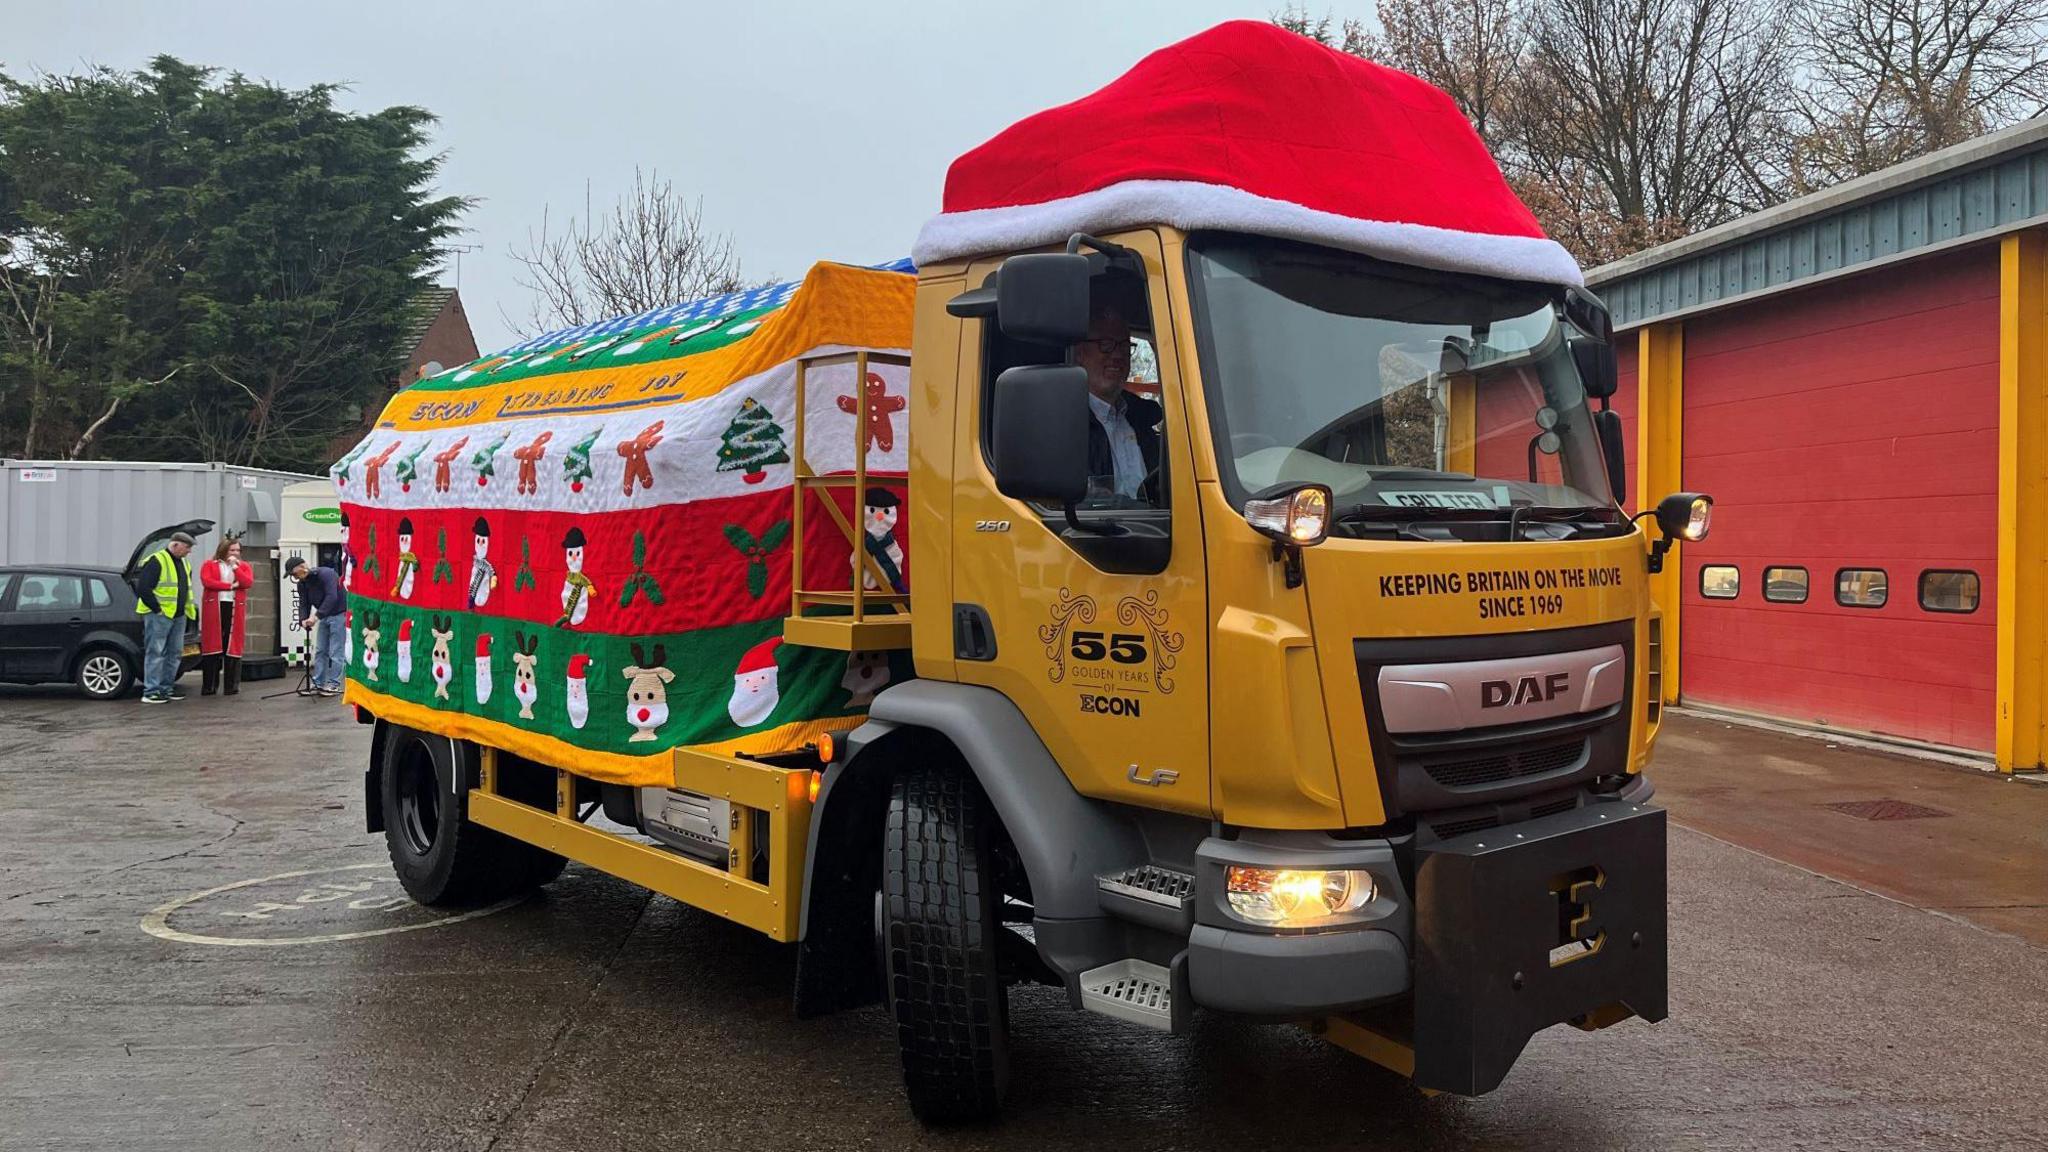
x=103 y=674
x=940 y=929
x=441 y=858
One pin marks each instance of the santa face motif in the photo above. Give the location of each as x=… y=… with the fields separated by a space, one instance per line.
x=348 y=639
x=348 y=568
x=483 y=679
x=405 y=653
x=576 y=699
x=754 y=696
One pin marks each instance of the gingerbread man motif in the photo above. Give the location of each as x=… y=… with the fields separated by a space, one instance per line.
x=372 y=485
x=442 y=461
x=529 y=463
x=635 y=452
x=881 y=406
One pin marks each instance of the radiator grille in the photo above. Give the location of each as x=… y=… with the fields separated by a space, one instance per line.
x=1510 y=765
x=1453 y=828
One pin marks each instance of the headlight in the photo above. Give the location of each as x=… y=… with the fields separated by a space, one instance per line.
x=1296 y=897
x=1298 y=516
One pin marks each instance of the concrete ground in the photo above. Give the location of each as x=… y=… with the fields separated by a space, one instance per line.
x=1903 y=1006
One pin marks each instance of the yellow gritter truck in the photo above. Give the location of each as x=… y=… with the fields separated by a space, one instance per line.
x=1227 y=604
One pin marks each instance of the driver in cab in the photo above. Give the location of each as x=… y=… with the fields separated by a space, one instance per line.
x=1123 y=436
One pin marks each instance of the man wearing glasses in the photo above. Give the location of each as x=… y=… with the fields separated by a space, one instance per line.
x=1123 y=439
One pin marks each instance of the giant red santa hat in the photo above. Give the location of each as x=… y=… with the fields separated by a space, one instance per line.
x=1251 y=128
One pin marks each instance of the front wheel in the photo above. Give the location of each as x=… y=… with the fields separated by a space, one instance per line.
x=103 y=675
x=941 y=926
x=440 y=857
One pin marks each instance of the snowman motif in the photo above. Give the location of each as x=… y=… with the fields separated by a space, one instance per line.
x=405 y=651
x=482 y=576
x=755 y=691
x=576 y=587
x=878 y=540
x=408 y=561
x=576 y=695
x=483 y=669
x=348 y=560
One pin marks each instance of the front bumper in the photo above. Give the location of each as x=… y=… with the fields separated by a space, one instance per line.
x=1510 y=931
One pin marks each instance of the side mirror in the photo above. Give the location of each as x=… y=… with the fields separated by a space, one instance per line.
x=1042 y=298
x=1615 y=449
x=1597 y=371
x=1039 y=444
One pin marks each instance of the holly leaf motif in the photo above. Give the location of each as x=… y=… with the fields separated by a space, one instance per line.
x=740 y=538
x=774 y=536
x=757 y=579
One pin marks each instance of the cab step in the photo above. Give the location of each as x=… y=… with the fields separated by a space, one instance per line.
x=1151 y=895
x=1134 y=991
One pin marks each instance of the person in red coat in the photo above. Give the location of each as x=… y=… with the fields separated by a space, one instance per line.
x=223 y=618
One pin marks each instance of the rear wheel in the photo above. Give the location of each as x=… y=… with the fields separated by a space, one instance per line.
x=941 y=927
x=103 y=675
x=440 y=857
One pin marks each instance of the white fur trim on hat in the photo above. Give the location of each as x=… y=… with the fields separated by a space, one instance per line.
x=1188 y=205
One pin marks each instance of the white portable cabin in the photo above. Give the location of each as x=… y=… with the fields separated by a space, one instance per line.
x=309 y=525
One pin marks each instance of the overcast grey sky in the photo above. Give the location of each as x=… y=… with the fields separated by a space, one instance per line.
x=812 y=130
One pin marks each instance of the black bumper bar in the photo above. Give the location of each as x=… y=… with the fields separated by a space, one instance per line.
x=1538 y=923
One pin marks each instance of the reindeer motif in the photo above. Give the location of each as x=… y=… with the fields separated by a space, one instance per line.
x=372 y=487
x=443 y=460
x=443 y=629
x=525 y=686
x=647 y=696
x=529 y=463
x=370 y=635
x=635 y=451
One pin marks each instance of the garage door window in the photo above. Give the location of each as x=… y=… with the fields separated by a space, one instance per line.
x=1860 y=588
x=1785 y=585
x=1949 y=591
x=1720 y=581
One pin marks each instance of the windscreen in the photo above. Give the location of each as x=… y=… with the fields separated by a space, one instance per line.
x=1408 y=392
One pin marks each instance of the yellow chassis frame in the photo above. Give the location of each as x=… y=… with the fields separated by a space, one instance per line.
x=783 y=794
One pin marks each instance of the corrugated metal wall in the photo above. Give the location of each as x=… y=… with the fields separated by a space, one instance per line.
x=94 y=512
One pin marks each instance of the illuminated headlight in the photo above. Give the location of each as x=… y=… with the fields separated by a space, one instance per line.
x=1299 y=516
x=1296 y=897
x=1699 y=518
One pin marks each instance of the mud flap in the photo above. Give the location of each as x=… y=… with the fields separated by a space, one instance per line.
x=1540 y=923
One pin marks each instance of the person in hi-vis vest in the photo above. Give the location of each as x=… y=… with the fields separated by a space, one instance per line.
x=167 y=598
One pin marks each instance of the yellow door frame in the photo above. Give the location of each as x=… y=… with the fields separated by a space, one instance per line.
x=2022 y=727
x=1660 y=458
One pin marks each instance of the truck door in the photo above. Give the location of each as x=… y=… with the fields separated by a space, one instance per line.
x=1100 y=640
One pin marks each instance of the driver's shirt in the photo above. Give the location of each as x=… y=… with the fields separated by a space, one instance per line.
x=1124 y=452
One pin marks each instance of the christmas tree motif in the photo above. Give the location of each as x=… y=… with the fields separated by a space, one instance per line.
x=444 y=573
x=408 y=468
x=523 y=581
x=752 y=442
x=343 y=465
x=640 y=581
x=756 y=552
x=370 y=564
x=485 y=462
x=576 y=465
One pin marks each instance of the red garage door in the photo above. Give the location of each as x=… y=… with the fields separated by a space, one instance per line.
x=1849 y=435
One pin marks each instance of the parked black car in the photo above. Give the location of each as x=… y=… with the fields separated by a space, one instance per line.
x=67 y=622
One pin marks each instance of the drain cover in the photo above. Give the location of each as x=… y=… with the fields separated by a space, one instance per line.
x=1885 y=810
